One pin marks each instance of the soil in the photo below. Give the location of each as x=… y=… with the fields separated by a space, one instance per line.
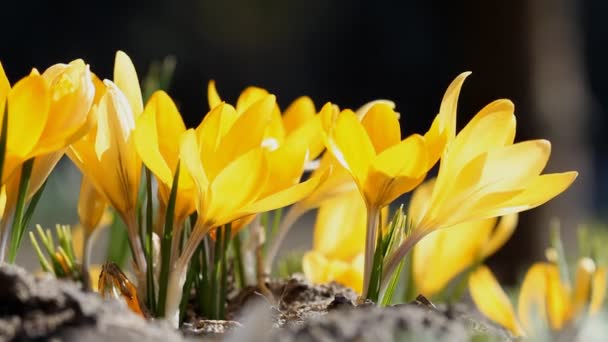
x=43 y=308
x=301 y=311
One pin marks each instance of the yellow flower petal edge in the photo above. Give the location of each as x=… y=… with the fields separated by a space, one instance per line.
x=491 y=300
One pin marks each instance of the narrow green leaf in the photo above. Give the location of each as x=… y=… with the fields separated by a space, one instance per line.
x=165 y=246
x=373 y=292
x=43 y=262
x=224 y=278
x=238 y=260
x=216 y=278
x=18 y=224
x=148 y=247
x=387 y=298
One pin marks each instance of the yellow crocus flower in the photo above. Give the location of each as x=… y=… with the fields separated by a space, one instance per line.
x=230 y=169
x=443 y=254
x=338 y=242
x=107 y=155
x=293 y=140
x=484 y=174
x=544 y=297
x=386 y=180
x=382 y=165
x=55 y=107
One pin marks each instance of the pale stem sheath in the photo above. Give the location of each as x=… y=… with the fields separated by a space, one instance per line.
x=394 y=259
x=370 y=244
x=177 y=275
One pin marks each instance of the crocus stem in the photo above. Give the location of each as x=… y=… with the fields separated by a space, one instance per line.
x=370 y=245
x=293 y=214
x=177 y=276
x=176 y=239
x=4 y=232
x=138 y=253
x=394 y=259
x=86 y=246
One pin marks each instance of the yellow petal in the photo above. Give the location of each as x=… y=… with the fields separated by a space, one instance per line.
x=299 y=111
x=119 y=165
x=190 y=157
x=491 y=300
x=539 y=191
x=212 y=95
x=598 y=290
x=443 y=254
x=582 y=284
x=338 y=183
x=157 y=135
x=309 y=134
x=236 y=186
x=125 y=77
x=406 y=158
x=314 y=266
x=558 y=299
x=286 y=165
x=397 y=170
x=286 y=196
x=210 y=133
x=382 y=127
x=246 y=133
x=449 y=105
x=28 y=108
x=362 y=111
x=351 y=146
x=275 y=132
x=91 y=205
x=321 y=270
x=501 y=234
x=339 y=230
x=515 y=165
x=532 y=303
x=420 y=201
x=492 y=127
x=72 y=93
x=249 y=96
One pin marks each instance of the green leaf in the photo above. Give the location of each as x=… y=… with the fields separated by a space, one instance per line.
x=165 y=246
x=238 y=258
x=18 y=222
x=148 y=246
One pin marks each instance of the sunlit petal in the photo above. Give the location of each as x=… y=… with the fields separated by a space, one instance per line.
x=382 y=127
x=351 y=146
x=125 y=78
x=491 y=300
x=236 y=186
x=598 y=290
x=299 y=111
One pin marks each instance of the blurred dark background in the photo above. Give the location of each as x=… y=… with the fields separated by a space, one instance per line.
x=546 y=56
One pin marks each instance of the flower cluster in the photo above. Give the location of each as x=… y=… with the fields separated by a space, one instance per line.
x=247 y=159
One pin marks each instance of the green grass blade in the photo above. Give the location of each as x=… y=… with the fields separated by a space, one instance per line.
x=43 y=262
x=387 y=298
x=165 y=248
